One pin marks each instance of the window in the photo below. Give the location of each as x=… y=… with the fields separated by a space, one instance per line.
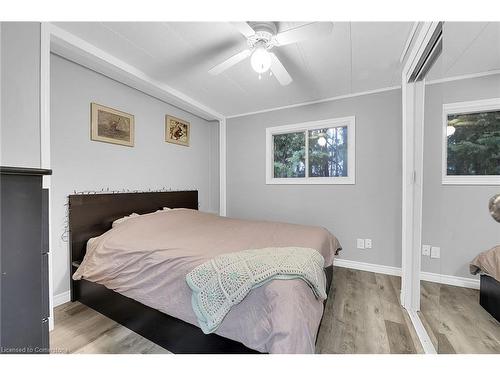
x=318 y=152
x=471 y=143
x=289 y=155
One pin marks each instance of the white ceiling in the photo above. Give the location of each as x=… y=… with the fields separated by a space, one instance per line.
x=355 y=57
x=181 y=53
x=468 y=48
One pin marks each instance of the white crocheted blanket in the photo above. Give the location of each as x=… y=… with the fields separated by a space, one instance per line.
x=225 y=280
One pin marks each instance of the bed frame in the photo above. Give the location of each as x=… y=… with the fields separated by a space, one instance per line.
x=489 y=296
x=90 y=216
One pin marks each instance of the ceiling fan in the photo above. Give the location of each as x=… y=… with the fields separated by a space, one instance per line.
x=262 y=37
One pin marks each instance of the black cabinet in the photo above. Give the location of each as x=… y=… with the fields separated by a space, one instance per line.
x=24 y=299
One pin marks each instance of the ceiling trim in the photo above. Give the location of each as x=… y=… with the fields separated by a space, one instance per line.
x=347 y=96
x=464 y=76
x=333 y=98
x=86 y=54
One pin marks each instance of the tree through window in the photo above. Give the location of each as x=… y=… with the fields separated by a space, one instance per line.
x=315 y=152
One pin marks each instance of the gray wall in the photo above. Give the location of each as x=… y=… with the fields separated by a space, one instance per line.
x=369 y=209
x=20 y=96
x=455 y=217
x=81 y=164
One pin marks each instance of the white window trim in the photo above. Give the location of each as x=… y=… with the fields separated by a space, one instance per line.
x=350 y=179
x=457 y=108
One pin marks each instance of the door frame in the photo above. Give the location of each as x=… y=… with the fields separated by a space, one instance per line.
x=412 y=175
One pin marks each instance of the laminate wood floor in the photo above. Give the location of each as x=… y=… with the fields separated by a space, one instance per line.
x=362 y=315
x=79 y=329
x=456 y=322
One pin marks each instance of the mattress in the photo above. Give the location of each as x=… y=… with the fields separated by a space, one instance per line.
x=147 y=258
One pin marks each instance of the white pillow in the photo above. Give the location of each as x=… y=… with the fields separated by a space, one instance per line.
x=123 y=219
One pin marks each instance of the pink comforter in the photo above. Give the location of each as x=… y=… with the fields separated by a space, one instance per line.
x=147 y=258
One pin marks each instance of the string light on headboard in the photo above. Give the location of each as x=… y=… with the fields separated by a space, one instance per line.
x=124 y=191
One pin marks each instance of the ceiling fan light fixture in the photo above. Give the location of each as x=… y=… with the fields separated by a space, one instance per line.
x=261 y=60
x=262 y=37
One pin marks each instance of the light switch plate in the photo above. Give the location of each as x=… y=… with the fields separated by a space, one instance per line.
x=360 y=243
x=368 y=243
x=426 y=250
x=435 y=252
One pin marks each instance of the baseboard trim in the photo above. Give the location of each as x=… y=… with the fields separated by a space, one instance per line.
x=61 y=298
x=463 y=282
x=370 y=267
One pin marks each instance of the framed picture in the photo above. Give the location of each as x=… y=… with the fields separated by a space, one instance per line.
x=177 y=131
x=111 y=126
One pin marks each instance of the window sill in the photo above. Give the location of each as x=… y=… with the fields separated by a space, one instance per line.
x=471 y=180
x=311 y=181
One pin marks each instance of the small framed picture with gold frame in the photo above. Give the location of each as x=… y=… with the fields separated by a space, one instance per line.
x=111 y=126
x=177 y=131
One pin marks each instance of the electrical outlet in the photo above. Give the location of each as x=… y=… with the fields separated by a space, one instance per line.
x=360 y=243
x=435 y=252
x=368 y=243
x=426 y=250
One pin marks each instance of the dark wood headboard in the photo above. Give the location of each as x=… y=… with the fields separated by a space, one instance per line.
x=91 y=215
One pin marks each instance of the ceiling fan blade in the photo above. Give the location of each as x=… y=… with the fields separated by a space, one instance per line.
x=244 y=28
x=279 y=71
x=309 y=31
x=233 y=60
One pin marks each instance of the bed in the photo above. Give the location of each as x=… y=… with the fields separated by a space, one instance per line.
x=487 y=264
x=281 y=316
